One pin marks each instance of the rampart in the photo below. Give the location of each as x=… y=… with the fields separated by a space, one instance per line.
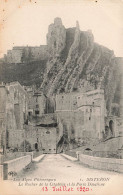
x=17 y=54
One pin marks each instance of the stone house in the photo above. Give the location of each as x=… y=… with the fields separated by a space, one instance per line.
x=14 y=108
x=84 y=113
x=66 y=102
x=37 y=102
x=92 y=104
x=21 y=131
x=41 y=138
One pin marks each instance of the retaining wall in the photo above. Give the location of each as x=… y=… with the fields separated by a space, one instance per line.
x=16 y=165
x=1 y=172
x=110 y=164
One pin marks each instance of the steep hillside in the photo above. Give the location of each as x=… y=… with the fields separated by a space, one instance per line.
x=26 y=73
x=75 y=63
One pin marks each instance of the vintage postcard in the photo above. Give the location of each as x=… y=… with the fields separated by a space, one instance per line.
x=61 y=97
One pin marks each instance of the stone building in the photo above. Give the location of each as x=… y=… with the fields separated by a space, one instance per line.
x=37 y=102
x=23 y=124
x=14 y=55
x=41 y=138
x=20 y=54
x=3 y=119
x=66 y=101
x=30 y=92
x=82 y=114
x=27 y=121
x=14 y=108
x=92 y=104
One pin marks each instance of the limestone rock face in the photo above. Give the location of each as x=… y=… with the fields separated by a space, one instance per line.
x=77 y=63
x=56 y=38
x=74 y=63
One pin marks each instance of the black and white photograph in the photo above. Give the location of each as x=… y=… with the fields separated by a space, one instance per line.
x=61 y=97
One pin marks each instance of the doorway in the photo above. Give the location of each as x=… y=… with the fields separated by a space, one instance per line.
x=111 y=126
x=36 y=146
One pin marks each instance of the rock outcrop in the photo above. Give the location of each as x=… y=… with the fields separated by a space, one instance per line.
x=77 y=63
x=74 y=63
x=56 y=38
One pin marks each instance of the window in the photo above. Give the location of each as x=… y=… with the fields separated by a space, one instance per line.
x=72 y=131
x=47 y=132
x=37 y=106
x=36 y=112
x=29 y=113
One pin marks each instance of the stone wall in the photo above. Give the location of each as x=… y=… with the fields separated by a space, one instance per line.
x=17 y=53
x=109 y=164
x=75 y=129
x=39 y=53
x=66 y=101
x=41 y=138
x=49 y=140
x=15 y=138
x=13 y=56
x=92 y=120
x=39 y=104
x=30 y=100
x=15 y=165
x=1 y=171
x=17 y=105
x=13 y=113
x=112 y=125
x=82 y=113
x=36 y=102
x=3 y=97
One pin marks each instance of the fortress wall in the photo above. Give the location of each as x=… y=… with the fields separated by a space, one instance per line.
x=39 y=53
x=75 y=126
x=15 y=55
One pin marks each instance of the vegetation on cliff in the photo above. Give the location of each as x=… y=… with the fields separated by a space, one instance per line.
x=75 y=63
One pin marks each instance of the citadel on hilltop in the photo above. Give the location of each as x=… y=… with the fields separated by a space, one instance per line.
x=72 y=94
x=21 y=54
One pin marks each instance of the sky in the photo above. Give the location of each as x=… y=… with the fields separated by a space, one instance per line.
x=25 y=22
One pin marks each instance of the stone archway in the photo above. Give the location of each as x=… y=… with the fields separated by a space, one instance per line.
x=111 y=126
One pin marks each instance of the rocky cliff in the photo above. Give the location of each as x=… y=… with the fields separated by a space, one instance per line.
x=75 y=63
